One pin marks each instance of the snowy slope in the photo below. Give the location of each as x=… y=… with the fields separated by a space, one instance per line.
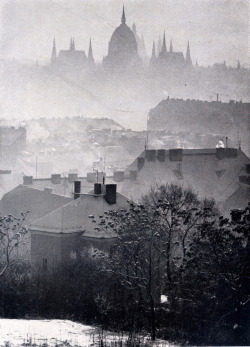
x=57 y=333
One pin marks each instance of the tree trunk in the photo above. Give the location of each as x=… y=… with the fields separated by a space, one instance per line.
x=153 y=325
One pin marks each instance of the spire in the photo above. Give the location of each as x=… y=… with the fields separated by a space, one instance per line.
x=123 y=16
x=188 y=56
x=238 y=65
x=53 y=55
x=164 y=47
x=153 y=55
x=171 y=47
x=90 y=53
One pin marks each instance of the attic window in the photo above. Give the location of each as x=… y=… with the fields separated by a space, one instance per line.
x=220 y=173
x=178 y=171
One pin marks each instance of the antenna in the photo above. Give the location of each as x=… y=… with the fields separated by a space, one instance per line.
x=104 y=163
x=239 y=140
x=146 y=142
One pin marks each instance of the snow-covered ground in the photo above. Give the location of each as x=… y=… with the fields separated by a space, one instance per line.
x=52 y=332
x=23 y=332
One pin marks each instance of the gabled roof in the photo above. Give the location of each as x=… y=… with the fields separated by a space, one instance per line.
x=81 y=215
x=38 y=202
x=212 y=172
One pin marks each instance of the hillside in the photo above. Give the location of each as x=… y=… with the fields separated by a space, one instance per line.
x=60 y=333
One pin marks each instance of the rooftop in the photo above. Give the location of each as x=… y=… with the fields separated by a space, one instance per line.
x=84 y=215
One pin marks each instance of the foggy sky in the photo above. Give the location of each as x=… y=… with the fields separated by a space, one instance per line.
x=218 y=30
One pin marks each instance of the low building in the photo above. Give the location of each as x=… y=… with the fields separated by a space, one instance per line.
x=65 y=232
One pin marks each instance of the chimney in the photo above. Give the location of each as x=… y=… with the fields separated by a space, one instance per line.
x=110 y=195
x=77 y=189
x=97 y=188
x=72 y=177
x=226 y=142
x=56 y=179
x=27 y=180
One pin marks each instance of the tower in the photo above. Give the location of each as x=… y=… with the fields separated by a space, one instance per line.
x=153 y=55
x=53 y=55
x=164 y=47
x=90 y=54
x=72 y=44
x=188 y=56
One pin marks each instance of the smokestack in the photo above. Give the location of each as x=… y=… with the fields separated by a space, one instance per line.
x=217 y=97
x=110 y=195
x=226 y=142
x=77 y=189
x=97 y=188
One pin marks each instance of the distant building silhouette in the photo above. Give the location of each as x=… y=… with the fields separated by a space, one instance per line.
x=126 y=51
x=123 y=50
x=70 y=58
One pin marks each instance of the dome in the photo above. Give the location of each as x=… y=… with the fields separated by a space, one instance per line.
x=123 y=42
x=122 y=45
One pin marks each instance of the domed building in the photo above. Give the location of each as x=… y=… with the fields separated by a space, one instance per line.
x=123 y=49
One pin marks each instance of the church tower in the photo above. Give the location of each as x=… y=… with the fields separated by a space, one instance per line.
x=188 y=56
x=53 y=55
x=72 y=44
x=90 y=54
x=153 y=55
x=162 y=57
x=164 y=47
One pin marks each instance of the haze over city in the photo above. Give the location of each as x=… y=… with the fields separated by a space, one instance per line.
x=217 y=30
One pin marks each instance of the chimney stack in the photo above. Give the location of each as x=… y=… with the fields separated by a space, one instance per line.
x=77 y=189
x=97 y=188
x=110 y=195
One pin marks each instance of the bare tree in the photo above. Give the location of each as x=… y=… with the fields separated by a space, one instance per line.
x=152 y=239
x=12 y=232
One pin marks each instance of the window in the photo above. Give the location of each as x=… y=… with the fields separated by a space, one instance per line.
x=45 y=264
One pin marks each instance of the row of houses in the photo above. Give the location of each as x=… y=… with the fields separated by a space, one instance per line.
x=62 y=222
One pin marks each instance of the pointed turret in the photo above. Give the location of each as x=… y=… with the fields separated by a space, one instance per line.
x=171 y=47
x=90 y=54
x=123 y=16
x=153 y=55
x=164 y=47
x=188 y=56
x=53 y=55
